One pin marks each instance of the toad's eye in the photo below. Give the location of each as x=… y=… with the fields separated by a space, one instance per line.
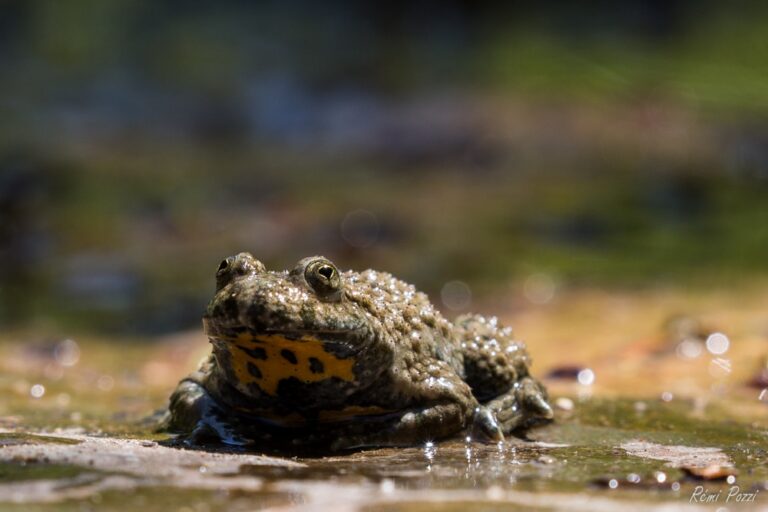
x=326 y=271
x=324 y=279
x=242 y=264
x=224 y=265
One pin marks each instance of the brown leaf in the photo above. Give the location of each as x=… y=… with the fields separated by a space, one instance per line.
x=711 y=472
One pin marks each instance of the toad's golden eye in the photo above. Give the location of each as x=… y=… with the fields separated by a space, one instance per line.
x=324 y=279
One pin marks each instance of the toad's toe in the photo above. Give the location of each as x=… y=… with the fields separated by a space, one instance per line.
x=486 y=425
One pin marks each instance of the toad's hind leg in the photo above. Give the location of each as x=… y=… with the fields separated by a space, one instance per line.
x=522 y=406
x=496 y=368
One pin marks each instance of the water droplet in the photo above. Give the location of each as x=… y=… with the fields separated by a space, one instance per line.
x=633 y=478
x=613 y=483
x=718 y=343
x=563 y=403
x=675 y=486
x=387 y=486
x=37 y=391
x=586 y=377
x=667 y=396
x=731 y=479
x=494 y=493
x=456 y=295
x=429 y=451
x=546 y=459
x=660 y=476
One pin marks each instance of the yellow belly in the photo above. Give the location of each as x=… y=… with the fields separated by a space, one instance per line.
x=276 y=357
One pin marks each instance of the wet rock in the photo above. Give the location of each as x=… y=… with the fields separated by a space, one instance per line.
x=678 y=456
x=140 y=463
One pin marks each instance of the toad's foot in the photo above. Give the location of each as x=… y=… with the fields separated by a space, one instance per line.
x=523 y=406
x=485 y=426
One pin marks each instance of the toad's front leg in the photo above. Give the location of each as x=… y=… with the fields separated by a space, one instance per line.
x=198 y=419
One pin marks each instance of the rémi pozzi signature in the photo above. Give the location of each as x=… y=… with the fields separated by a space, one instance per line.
x=734 y=494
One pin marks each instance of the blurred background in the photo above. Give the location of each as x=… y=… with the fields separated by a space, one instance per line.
x=496 y=155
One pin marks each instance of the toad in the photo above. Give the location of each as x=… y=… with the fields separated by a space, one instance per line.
x=316 y=357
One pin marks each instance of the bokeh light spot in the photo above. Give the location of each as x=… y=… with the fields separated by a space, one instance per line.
x=67 y=352
x=718 y=343
x=689 y=348
x=37 y=391
x=456 y=295
x=539 y=288
x=586 y=377
x=360 y=229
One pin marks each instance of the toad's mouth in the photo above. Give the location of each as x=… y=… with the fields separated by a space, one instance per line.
x=342 y=343
x=270 y=357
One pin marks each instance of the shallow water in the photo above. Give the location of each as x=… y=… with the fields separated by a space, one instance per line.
x=628 y=437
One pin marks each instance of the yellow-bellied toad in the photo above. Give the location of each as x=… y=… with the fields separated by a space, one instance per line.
x=318 y=358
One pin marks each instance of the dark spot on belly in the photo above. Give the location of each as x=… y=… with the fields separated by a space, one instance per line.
x=256 y=353
x=254 y=370
x=289 y=356
x=315 y=365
